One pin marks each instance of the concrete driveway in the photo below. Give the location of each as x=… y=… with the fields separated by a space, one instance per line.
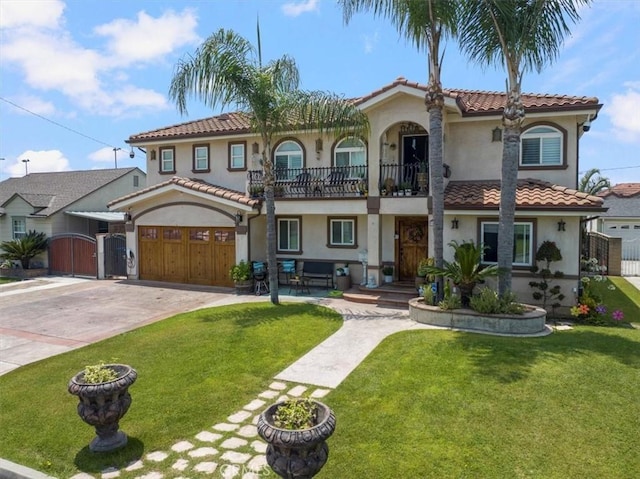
x=47 y=316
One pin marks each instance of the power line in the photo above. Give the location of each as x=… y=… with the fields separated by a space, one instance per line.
x=618 y=168
x=56 y=123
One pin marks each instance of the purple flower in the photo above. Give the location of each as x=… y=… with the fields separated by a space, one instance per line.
x=601 y=309
x=617 y=315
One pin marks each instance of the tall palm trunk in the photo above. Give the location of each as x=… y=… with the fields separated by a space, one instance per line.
x=512 y=119
x=270 y=206
x=435 y=104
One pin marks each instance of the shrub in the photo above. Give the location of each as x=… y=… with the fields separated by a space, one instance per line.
x=547 y=253
x=240 y=271
x=25 y=248
x=296 y=414
x=488 y=301
x=98 y=373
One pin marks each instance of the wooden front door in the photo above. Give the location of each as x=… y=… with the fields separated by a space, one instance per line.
x=412 y=247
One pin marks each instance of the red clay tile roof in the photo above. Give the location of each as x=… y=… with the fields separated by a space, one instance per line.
x=531 y=194
x=622 y=190
x=470 y=102
x=195 y=185
x=475 y=102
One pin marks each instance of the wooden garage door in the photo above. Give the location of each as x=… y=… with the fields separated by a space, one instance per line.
x=196 y=255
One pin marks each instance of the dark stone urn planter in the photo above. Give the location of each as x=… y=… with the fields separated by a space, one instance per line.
x=297 y=454
x=102 y=405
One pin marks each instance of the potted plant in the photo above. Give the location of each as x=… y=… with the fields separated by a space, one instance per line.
x=423 y=177
x=241 y=275
x=406 y=187
x=466 y=271
x=103 y=393
x=387 y=272
x=256 y=191
x=296 y=431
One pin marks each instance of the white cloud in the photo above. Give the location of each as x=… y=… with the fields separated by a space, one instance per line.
x=148 y=38
x=94 y=79
x=370 y=41
x=36 y=13
x=293 y=9
x=39 y=162
x=35 y=105
x=624 y=111
x=107 y=155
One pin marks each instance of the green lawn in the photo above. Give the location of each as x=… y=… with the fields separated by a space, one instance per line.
x=424 y=404
x=193 y=370
x=8 y=280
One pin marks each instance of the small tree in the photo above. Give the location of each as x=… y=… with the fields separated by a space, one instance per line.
x=25 y=248
x=548 y=252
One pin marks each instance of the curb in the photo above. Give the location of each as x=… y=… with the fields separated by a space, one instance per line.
x=11 y=470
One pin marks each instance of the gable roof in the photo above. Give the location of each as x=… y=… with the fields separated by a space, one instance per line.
x=623 y=201
x=531 y=194
x=470 y=103
x=51 y=192
x=622 y=190
x=194 y=185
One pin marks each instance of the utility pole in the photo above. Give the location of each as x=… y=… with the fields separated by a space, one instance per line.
x=115 y=156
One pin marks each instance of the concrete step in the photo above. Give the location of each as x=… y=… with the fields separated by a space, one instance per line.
x=388 y=294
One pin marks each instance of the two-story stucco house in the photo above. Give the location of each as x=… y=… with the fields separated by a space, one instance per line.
x=338 y=198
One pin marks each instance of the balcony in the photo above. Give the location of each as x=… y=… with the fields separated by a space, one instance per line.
x=404 y=180
x=342 y=182
x=336 y=182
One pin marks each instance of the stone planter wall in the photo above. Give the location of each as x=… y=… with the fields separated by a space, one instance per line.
x=531 y=322
x=23 y=273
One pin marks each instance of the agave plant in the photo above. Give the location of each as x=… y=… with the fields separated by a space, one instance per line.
x=466 y=271
x=25 y=248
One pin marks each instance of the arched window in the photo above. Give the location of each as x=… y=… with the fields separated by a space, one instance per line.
x=288 y=159
x=351 y=154
x=541 y=146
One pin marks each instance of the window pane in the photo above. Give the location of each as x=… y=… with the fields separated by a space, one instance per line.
x=521 y=244
x=19 y=228
x=336 y=232
x=551 y=151
x=167 y=160
x=530 y=151
x=237 y=156
x=342 y=158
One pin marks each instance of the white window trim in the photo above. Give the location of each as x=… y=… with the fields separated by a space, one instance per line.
x=333 y=221
x=298 y=224
x=162 y=160
x=292 y=171
x=541 y=136
x=195 y=158
x=16 y=234
x=241 y=157
x=516 y=223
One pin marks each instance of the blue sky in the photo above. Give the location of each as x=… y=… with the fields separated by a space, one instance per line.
x=78 y=77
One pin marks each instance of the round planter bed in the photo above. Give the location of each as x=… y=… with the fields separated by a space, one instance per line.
x=531 y=322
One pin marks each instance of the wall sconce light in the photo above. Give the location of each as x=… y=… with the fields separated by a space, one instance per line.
x=152 y=155
x=127 y=217
x=255 y=148
x=561 y=225
x=392 y=146
x=318 y=145
x=238 y=218
x=496 y=134
x=454 y=224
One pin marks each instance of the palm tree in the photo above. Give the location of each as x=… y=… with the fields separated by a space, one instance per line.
x=593 y=183
x=520 y=35
x=227 y=70
x=26 y=248
x=425 y=23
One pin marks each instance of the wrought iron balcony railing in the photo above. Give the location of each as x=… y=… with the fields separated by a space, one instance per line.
x=337 y=181
x=406 y=180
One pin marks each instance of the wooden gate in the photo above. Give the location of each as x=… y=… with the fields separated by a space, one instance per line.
x=115 y=255
x=73 y=254
x=412 y=247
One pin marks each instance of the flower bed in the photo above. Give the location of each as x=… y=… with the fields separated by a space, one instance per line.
x=531 y=322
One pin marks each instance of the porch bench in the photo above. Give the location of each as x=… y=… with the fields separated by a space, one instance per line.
x=319 y=270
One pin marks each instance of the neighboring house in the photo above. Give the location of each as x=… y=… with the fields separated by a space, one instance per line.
x=622 y=219
x=338 y=199
x=65 y=202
